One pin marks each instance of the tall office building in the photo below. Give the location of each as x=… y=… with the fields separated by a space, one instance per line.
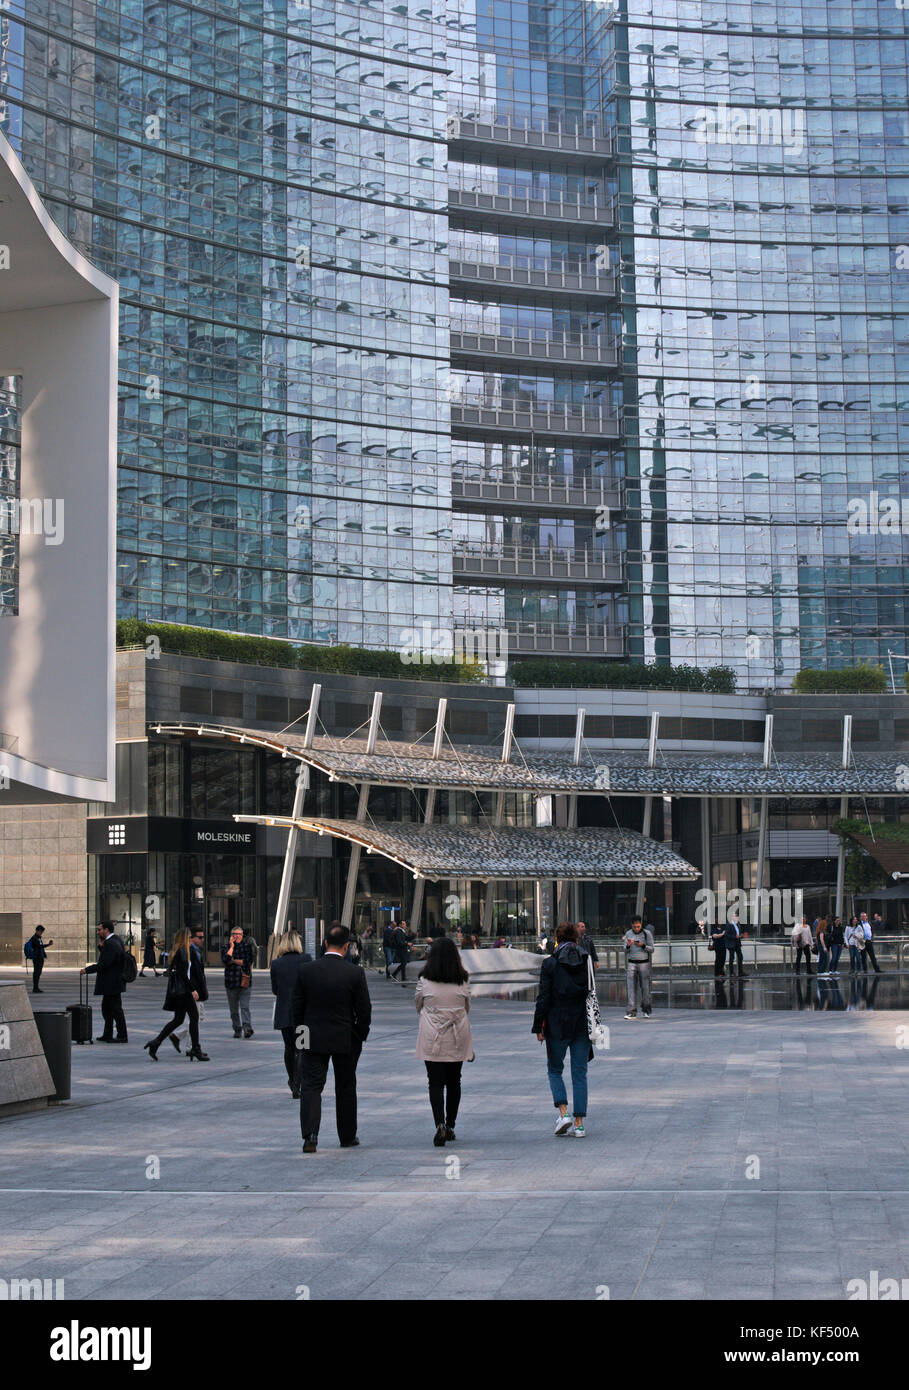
x=582 y=319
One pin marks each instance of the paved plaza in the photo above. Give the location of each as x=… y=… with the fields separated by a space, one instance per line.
x=656 y=1202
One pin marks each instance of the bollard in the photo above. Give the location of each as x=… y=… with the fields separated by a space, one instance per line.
x=56 y=1033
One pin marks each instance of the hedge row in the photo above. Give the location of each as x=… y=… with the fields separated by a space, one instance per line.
x=266 y=651
x=889 y=830
x=871 y=680
x=608 y=675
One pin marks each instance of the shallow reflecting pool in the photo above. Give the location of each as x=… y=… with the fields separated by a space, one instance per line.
x=758 y=990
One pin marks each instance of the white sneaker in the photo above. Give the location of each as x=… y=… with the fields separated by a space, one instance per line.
x=563 y=1124
x=578 y=1131
x=632 y=1014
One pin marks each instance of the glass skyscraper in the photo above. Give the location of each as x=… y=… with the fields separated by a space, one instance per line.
x=582 y=319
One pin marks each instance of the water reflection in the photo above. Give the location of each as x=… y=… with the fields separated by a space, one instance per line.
x=755 y=992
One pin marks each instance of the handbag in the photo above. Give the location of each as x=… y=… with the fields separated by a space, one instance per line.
x=596 y=1030
x=245 y=976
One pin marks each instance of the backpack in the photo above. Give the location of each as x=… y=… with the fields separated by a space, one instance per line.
x=130 y=970
x=29 y=949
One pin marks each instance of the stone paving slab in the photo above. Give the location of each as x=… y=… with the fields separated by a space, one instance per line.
x=656 y=1203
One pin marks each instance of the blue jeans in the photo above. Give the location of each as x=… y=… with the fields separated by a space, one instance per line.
x=578 y=1048
x=835 y=953
x=857 y=959
x=822 y=958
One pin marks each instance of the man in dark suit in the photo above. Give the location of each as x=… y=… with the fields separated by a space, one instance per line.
x=109 y=984
x=39 y=956
x=331 y=1015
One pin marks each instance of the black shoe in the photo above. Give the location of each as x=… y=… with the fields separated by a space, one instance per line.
x=351 y=1144
x=238 y=1032
x=152 y=1049
x=175 y=1040
x=197 y=1055
x=36 y=990
x=440 y=1136
x=120 y=1040
x=450 y=1135
x=103 y=1039
x=310 y=1143
x=247 y=1032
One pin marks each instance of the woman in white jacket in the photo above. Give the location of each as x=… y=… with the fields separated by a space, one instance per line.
x=802 y=942
x=444 y=1041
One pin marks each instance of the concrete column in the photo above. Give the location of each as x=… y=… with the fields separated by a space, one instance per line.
x=416 y=908
x=353 y=868
x=293 y=834
x=844 y=812
x=648 y=802
x=498 y=816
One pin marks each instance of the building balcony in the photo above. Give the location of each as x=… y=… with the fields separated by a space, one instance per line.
x=587 y=137
x=472 y=560
x=584 y=348
x=559 y=639
x=539 y=490
x=522 y=418
x=523 y=273
x=533 y=211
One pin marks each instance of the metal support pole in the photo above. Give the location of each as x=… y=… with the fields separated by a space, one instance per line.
x=293 y=834
x=353 y=867
x=648 y=802
x=572 y=820
x=762 y=824
x=416 y=907
x=498 y=816
x=844 y=812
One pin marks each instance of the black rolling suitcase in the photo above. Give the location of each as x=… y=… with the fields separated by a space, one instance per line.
x=82 y=1016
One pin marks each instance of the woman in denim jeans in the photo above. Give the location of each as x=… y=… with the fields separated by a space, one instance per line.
x=560 y=1020
x=823 y=949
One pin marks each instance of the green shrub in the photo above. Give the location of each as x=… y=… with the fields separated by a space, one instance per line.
x=558 y=673
x=890 y=830
x=849 y=680
x=268 y=651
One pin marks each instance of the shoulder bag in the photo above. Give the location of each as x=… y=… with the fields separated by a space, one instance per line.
x=596 y=1031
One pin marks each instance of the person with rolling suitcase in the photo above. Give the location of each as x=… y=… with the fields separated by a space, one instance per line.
x=110 y=968
x=81 y=1015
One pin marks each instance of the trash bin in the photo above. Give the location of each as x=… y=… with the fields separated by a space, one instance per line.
x=56 y=1033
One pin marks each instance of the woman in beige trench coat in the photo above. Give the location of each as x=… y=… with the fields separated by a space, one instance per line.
x=444 y=1042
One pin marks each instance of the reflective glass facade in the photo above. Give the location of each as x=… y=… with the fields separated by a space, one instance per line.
x=413 y=297
x=266 y=181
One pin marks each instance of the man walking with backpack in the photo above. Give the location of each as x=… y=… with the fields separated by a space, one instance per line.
x=36 y=952
x=113 y=974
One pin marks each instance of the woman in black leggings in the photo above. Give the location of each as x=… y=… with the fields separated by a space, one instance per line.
x=180 y=1000
x=444 y=1042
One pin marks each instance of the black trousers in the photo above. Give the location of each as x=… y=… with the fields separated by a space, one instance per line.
x=444 y=1091
x=186 y=1007
x=290 y=1053
x=313 y=1074
x=37 y=967
x=402 y=966
x=112 y=1013
x=719 y=959
x=735 y=955
x=869 y=952
x=799 y=952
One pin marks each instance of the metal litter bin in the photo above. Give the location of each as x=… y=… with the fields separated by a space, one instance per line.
x=56 y=1033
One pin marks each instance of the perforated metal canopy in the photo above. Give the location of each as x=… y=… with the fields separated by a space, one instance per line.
x=619 y=772
x=507 y=852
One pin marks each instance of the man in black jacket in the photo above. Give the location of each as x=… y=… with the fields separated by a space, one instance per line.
x=38 y=957
x=109 y=984
x=331 y=1014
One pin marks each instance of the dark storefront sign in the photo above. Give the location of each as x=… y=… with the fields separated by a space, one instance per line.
x=159 y=834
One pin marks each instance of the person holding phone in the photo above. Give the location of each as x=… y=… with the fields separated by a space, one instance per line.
x=237 y=957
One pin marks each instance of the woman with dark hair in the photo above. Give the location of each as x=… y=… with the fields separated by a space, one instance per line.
x=444 y=1042
x=560 y=1020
